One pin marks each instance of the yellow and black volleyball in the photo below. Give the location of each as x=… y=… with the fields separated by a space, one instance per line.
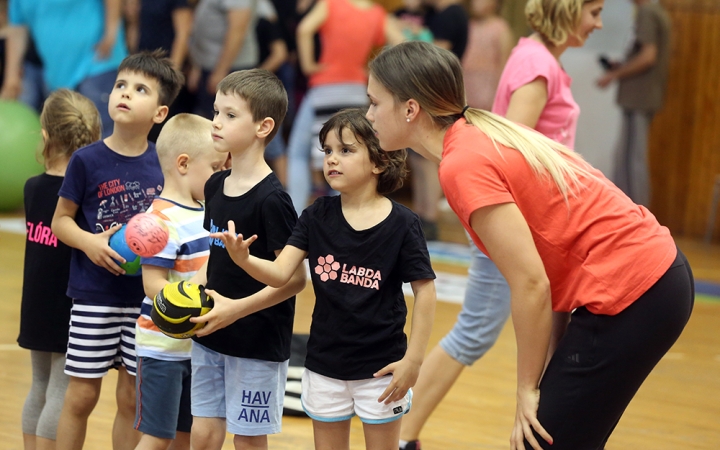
x=175 y=304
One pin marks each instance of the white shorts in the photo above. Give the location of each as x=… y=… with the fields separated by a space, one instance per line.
x=329 y=400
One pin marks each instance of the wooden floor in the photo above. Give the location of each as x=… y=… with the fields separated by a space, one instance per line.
x=678 y=407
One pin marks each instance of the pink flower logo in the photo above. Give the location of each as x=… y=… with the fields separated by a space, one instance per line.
x=327 y=268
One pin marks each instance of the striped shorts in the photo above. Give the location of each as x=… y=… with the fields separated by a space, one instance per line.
x=101 y=337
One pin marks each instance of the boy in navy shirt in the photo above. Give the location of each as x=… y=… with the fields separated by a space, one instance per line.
x=106 y=184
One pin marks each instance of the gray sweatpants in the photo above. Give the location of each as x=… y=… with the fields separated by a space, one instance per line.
x=43 y=404
x=631 y=168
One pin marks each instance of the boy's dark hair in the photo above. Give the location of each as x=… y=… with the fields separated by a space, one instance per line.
x=263 y=92
x=392 y=164
x=155 y=64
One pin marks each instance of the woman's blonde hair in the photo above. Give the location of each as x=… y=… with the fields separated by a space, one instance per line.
x=70 y=121
x=555 y=20
x=433 y=77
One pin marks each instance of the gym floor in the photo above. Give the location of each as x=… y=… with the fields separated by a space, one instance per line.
x=677 y=407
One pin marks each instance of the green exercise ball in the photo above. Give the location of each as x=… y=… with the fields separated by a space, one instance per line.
x=20 y=140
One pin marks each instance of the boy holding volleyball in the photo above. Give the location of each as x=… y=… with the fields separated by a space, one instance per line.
x=188 y=159
x=106 y=184
x=239 y=371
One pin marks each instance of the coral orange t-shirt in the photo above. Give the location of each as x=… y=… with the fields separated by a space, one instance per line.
x=600 y=250
x=347 y=37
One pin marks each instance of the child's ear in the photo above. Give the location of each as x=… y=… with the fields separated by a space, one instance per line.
x=265 y=127
x=377 y=171
x=181 y=163
x=161 y=114
x=44 y=135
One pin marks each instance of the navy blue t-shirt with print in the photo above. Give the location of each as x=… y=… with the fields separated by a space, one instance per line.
x=360 y=311
x=109 y=189
x=266 y=211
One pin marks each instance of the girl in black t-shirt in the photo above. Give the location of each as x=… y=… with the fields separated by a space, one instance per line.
x=69 y=121
x=361 y=247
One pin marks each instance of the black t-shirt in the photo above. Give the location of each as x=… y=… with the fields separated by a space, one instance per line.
x=360 y=311
x=267 y=211
x=450 y=24
x=156 y=25
x=45 y=309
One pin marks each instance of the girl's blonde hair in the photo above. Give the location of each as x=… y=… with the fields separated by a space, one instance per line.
x=433 y=77
x=555 y=20
x=70 y=121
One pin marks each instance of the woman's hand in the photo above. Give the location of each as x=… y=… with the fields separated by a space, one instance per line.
x=526 y=421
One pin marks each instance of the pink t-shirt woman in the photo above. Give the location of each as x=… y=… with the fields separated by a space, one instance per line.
x=529 y=61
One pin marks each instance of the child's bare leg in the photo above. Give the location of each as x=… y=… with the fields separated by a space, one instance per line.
x=124 y=435
x=44 y=444
x=208 y=433
x=383 y=436
x=148 y=442
x=29 y=442
x=250 y=442
x=181 y=442
x=80 y=399
x=332 y=435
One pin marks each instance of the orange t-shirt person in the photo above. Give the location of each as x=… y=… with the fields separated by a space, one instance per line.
x=599 y=249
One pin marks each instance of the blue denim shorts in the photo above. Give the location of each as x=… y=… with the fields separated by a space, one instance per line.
x=485 y=310
x=247 y=393
x=163 y=397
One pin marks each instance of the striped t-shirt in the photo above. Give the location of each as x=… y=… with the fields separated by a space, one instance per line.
x=186 y=251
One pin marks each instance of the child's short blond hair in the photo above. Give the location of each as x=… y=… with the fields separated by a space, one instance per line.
x=183 y=133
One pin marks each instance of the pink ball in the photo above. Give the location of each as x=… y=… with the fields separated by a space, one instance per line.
x=146 y=234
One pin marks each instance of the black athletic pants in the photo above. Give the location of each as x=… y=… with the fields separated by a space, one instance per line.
x=601 y=361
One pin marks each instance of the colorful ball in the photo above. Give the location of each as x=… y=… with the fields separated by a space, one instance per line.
x=119 y=244
x=175 y=304
x=20 y=141
x=147 y=234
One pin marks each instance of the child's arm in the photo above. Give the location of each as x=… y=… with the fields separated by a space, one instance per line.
x=227 y=311
x=405 y=372
x=305 y=33
x=154 y=279
x=273 y=273
x=200 y=276
x=95 y=246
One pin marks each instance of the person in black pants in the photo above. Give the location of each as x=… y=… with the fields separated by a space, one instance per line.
x=599 y=291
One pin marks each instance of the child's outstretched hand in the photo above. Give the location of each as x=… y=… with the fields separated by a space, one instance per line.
x=225 y=312
x=98 y=249
x=237 y=248
x=405 y=374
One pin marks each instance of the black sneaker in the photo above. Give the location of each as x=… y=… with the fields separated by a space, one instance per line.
x=412 y=445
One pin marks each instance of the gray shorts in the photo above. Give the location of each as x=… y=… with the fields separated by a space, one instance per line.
x=247 y=393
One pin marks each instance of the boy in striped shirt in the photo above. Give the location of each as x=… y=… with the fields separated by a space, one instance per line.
x=187 y=158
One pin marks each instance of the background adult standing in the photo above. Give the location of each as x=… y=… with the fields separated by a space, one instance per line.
x=80 y=42
x=642 y=81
